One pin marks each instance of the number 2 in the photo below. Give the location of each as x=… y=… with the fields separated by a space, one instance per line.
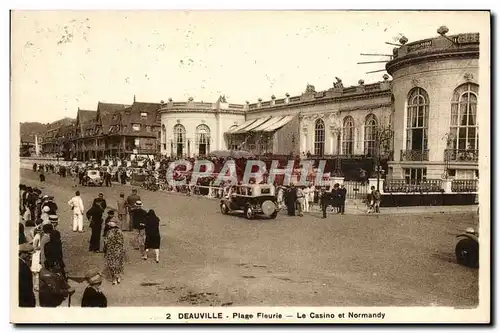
x=168 y=316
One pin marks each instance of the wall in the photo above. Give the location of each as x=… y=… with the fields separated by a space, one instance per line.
x=287 y=138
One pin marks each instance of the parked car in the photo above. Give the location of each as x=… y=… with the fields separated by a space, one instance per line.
x=467 y=248
x=93 y=178
x=252 y=200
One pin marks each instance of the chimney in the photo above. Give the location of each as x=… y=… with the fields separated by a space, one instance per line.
x=287 y=98
x=273 y=98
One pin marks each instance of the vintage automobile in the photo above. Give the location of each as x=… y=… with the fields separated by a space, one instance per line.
x=467 y=248
x=252 y=200
x=93 y=178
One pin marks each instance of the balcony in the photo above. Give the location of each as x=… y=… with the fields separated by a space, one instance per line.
x=461 y=155
x=414 y=155
x=464 y=185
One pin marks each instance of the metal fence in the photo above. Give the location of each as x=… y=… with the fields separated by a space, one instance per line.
x=356 y=190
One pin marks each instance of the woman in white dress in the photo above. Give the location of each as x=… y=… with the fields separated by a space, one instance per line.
x=35 y=259
x=281 y=197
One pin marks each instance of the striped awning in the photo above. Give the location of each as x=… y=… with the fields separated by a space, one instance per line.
x=255 y=124
x=242 y=126
x=282 y=122
x=267 y=124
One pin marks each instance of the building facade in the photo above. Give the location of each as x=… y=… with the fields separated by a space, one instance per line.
x=435 y=123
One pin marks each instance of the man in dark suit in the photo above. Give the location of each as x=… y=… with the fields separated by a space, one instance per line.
x=343 y=194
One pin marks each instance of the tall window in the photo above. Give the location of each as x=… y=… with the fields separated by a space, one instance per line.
x=164 y=137
x=464 y=127
x=370 y=135
x=415 y=176
x=203 y=139
x=417 y=119
x=180 y=139
x=348 y=136
x=319 y=137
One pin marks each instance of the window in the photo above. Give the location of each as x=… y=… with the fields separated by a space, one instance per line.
x=144 y=115
x=417 y=119
x=464 y=127
x=148 y=128
x=136 y=127
x=203 y=139
x=319 y=138
x=415 y=176
x=348 y=136
x=180 y=139
x=370 y=135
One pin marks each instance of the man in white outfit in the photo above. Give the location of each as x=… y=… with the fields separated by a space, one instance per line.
x=76 y=204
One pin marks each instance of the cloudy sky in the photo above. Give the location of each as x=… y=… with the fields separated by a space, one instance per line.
x=65 y=60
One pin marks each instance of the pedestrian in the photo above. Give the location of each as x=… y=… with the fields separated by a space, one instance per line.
x=76 y=205
x=26 y=296
x=107 y=177
x=153 y=234
x=376 y=198
x=54 y=288
x=139 y=218
x=335 y=197
x=93 y=297
x=115 y=251
x=100 y=201
x=22 y=235
x=343 y=195
x=131 y=200
x=300 y=201
x=94 y=216
x=54 y=253
x=291 y=199
x=42 y=177
x=35 y=258
x=121 y=206
x=325 y=201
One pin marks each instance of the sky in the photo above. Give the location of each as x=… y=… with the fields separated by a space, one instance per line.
x=62 y=60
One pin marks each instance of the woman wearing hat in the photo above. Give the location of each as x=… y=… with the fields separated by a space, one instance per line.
x=93 y=297
x=115 y=251
x=153 y=234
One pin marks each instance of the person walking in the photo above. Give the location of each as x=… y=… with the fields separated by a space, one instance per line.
x=93 y=297
x=100 y=201
x=94 y=215
x=131 y=200
x=139 y=217
x=153 y=234
x=325 y=201
x=76 y=204
x=121 y=207
x=291 y=199
x=342 y=198
x=115 y=251
x=26 y=296
x=300 y=201
x=376 y=198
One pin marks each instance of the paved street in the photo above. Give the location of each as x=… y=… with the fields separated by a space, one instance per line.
x=212 y=259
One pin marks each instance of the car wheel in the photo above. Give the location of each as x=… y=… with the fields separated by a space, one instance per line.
x=249 y=213
x=467 y=252
x=223 y=208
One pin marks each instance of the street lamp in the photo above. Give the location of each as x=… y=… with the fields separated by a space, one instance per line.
x=336 y=130
x=383 y=135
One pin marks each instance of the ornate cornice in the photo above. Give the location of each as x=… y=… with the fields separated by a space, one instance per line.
x=416 y=58
x=198 y=110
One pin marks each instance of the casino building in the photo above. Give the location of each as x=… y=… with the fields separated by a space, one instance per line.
x=429 y=107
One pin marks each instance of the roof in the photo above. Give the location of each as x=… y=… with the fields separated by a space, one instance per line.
x=108 y=108
x=85 y=116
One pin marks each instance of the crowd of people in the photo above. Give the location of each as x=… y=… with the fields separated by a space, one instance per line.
x=42 y=269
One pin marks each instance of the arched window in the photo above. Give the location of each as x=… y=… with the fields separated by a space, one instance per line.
x=179 y=139
x=348 y=136
x=163 y=137
x=203 y=139
x=319 y=138
x=417 y=122
x=464 y=127
x=370 y=134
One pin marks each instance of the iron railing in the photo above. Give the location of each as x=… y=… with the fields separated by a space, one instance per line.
x=464 y=185
x=461 y=155
x=414 y=155
x=411 y=186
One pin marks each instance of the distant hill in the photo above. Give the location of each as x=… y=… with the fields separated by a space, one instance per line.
x=29 y=130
